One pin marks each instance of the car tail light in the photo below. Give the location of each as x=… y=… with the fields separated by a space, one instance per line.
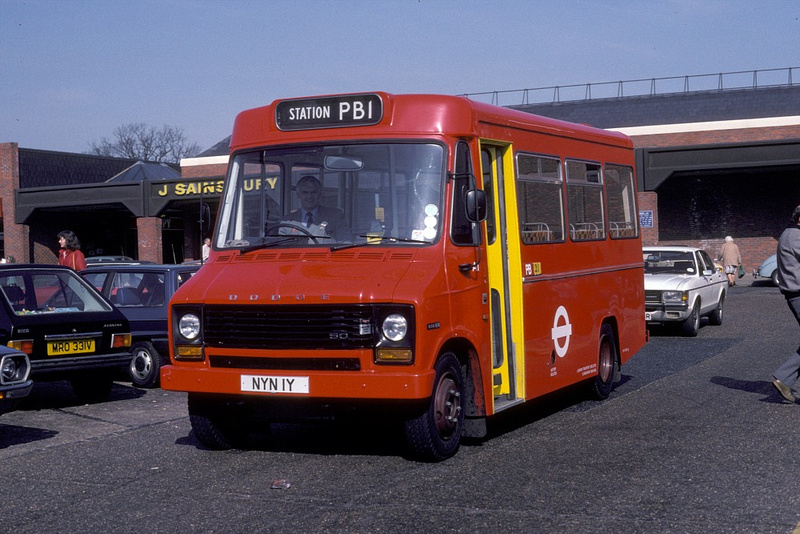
x=22 y=345
x=120 y=341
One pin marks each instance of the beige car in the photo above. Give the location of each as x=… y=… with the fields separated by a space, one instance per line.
x=682 y=285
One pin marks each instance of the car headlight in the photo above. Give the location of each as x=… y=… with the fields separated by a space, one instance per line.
x=14 y=368
x=189 y=326
x=8 y=370
x=395 y=327
x=674 y=296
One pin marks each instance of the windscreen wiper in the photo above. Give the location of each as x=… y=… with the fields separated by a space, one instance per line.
x=246 y=249
x=264 y=243
x=371 y=239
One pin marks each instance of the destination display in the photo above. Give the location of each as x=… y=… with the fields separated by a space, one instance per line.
x=330 y=112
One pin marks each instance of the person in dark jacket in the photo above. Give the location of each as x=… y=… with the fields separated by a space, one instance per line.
x=789 y=283
x=331 y=220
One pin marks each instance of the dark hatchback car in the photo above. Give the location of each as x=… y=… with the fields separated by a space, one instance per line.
x=67 y=329
x=14 y=382
x=142 y=293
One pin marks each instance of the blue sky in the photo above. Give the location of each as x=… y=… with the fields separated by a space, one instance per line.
x=72 y=71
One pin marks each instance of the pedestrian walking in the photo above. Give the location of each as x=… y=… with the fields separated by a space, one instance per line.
x=789 y=283
x=731 y=259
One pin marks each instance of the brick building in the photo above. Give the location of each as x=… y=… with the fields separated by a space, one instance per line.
x=116 y=206
x=710 y=163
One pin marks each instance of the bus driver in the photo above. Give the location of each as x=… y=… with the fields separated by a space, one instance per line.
x=312 y=213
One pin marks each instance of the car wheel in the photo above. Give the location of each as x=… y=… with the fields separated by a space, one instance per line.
x=691 y=325
x=436 y=434
x=606 y=364
x=215 y=424
x=145 y=365
x=715 y=317
x=92 y=387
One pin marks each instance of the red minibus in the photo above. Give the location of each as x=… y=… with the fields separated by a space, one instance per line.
x=423 y=257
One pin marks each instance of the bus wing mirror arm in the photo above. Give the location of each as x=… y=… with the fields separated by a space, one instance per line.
x=476 y=205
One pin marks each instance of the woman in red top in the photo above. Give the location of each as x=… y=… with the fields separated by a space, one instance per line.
x=70 y=253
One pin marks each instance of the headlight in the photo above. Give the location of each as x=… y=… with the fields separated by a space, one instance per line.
x=14 y=368
x=395 y=327
x=674 y=296
x=189 y=326
x=8 y=370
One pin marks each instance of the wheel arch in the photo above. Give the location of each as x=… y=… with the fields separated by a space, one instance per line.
x=475 y=403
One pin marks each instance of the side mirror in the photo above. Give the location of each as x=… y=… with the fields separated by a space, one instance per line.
x=476 y=205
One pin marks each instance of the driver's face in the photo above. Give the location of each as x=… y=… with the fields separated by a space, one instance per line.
x=308 y=194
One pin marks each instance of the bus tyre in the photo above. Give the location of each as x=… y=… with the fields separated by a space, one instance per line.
x=606 y=364
x=212 y=425
x=92 y=387
x=691 y=325
x=145 y=365
x=436 y=434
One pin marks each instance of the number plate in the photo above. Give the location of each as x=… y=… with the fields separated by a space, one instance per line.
x=297 y=385
x=73 y=346
x=648 y=316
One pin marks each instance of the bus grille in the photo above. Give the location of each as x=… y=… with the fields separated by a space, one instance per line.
x=286 y=364
x=289 y=327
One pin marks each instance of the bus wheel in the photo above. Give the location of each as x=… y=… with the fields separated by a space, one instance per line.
x=436 y=434
x=214 y=426
x=606 y=364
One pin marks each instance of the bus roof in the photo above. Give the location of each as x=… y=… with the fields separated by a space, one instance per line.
x=400 y=115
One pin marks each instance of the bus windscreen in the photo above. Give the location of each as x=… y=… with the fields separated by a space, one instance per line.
x=334 y=195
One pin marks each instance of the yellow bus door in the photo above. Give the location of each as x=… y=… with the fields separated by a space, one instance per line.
x=504 y=274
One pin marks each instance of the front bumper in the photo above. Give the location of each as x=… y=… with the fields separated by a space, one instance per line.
x=10 y=395
x=79 y=363
x=664 y=313
x=386 y=385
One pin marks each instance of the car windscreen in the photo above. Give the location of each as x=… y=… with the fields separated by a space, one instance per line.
x=33 y=292
x=137 y=289
x=660 y=262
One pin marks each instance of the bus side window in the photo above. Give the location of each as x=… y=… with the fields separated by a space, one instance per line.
x=585 y=201
x=463 y=232
x=540 y=199
x=621 y=197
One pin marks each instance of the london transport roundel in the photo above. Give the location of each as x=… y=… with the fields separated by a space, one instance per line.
x=561 y=332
